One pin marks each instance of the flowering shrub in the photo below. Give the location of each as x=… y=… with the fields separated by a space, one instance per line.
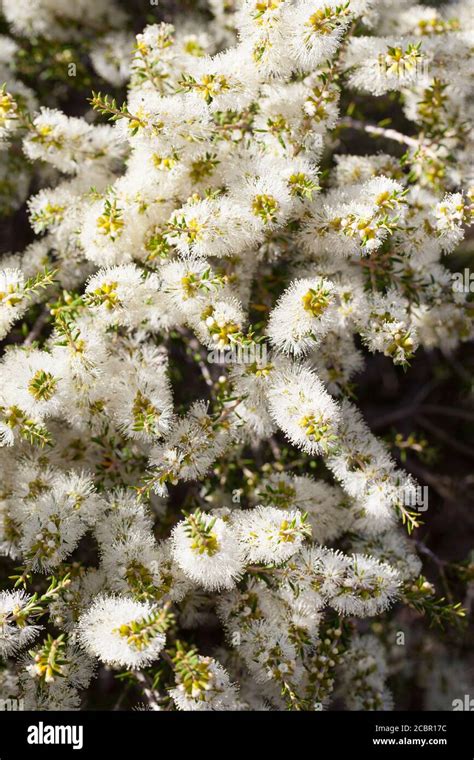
x=182 y=447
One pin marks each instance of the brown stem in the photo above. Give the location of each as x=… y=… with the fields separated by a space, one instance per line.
x=445 y=438
x=35 y=331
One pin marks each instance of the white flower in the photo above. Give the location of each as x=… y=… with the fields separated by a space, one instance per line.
x=303 y=315
x=327 y=506
x=111 y=57
x=210 y=690
x=122 y=632
x=207 y=551
x=15 y=631
x=381 y=64
x=54 y=528
x=316 y=28
x=365 y=674
x=59 y=21
x=220 y=323
x=69 y=143
x=450 y=215
x=270 y=535
x=31 y=381
x=189 y=450
x=302 y=408
x=369 y=587
x=12 y=298
x=394 y=549
x=139 y=395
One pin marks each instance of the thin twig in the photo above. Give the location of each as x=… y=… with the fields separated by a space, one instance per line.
x=195 y=346
x=447 y=411
x=35 y=331
x=148 y=690
x=406 y=411
x=426 y=550
x=445 y=438
x=440 y=564
x=276 y=451
x=167 y=658
x=437 y=484
x=395 y=416
x=122 y=696
x=389 y=134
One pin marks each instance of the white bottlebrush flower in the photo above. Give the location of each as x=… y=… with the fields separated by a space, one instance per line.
x=223 y=81
x=9 y=533
x=145 y=568
x=73 y=668
x=353 y=585
x=15 y=630
x=139 y=395
x=265 y=199
x=354 y=169
x=365 y=674
x=270 y=654
x=393 y=548
x=48 y=208
x=111 y=57
x=66 y=609
x=122 y=632
x=191 y=448
x=381 y=64
x=68 y=143
x=52 y=531
x=369 y=587
x=330 y=568
x=329 y=511
x=389 y=327
x=367 y=472
x=126 y=516
x=220 y=323
x=209 y=227
x=31 y=382
x=54 y=510
x=192 y=285
x=57 y=21
x=203 y=685
x=170 y=51
x=303 y=315
x=206 y=549
x=316 y=28
x=451 y=214
x=9 y=114
x=336 y=360
x=122 y=294
x=269 y=535
x=303 y=409
x=250 y=381
x=262 y=28
x=12 y=298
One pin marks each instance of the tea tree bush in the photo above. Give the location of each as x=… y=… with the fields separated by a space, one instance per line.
x=192 y=504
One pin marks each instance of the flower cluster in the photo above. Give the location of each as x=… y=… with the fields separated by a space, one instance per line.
x=219 y=210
